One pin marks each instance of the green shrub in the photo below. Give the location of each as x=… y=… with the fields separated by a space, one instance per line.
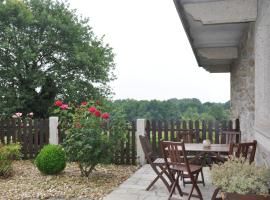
x=11 y=151
x=51 y=159
x=8 y=153
x=6 y=168
x=238 y=176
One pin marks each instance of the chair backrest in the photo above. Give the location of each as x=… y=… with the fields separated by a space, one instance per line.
x=147 y=149
x=227 y=137
x=174 y=153
x=187 y=136
x=246 y=150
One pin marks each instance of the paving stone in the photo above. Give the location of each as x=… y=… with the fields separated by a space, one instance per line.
x=134 y=187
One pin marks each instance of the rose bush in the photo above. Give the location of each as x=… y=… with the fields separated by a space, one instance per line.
x=94 y=130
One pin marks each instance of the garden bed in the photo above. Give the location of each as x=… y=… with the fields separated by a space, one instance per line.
x=29 y=183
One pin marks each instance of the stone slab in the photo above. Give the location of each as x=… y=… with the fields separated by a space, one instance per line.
x=134 y=187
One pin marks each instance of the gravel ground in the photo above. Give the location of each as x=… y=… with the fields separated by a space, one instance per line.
x=29 y=183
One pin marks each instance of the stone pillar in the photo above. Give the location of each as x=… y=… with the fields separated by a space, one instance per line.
x=242 y=85
x=140 y=131
x=262 y=83
x=53 y=128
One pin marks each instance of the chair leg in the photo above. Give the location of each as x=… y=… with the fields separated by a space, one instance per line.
x=164 y=171
x=175 y=185
x=202 y=177
x=191 y=191
x=178 y=186
x=159 y=175
x=172 y=188
x=152 y=183
x=214 y=197
x=183 y=179
x=195 y=186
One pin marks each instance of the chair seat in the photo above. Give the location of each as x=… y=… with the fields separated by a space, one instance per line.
x=193 y=168
x=219 y=158
x=159 y=161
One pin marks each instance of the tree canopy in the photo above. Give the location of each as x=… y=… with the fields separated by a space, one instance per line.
x=48 y=52
x=175 y=109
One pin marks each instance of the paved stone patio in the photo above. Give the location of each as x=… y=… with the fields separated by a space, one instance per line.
x=134 y=187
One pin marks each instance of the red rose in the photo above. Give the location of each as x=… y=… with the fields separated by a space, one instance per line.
x=92 y=109
x=97 y=113
x=105 y=116
x=58 y=103
x=84 y=103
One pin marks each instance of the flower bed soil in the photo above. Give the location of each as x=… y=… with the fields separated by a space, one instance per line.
x=28 y=183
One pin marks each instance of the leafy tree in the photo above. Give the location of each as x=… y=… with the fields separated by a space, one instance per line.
x=184 y=104
x=207 y=117
x=227 y=105
x=172 y=109
x=190 y=114
x=217 y=112
x=48 y=52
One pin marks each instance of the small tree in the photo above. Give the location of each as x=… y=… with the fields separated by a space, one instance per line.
x=48 y=52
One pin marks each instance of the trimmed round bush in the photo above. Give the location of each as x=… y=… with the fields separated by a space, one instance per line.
x=51 y=159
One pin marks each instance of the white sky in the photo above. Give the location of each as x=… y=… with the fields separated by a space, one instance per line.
x=153 y=59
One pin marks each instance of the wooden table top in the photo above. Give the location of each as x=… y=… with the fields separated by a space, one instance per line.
x=213 y=147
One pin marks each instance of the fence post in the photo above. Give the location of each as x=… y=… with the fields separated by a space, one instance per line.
x=53 y=133
x=140 y=131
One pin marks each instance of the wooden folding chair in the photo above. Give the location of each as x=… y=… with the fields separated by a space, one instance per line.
x=228 y=137
x=188 y=136
x=177 y=163
x=158 y=164
x=246 y=150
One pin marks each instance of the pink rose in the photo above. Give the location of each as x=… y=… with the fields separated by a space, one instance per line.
x=64 y=106
x=18 y=114
x=105 y=116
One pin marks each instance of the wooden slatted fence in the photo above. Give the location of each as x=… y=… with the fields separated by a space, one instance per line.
x=167 y=130
x=127 y=153
x=31 y=134
x=34 y=134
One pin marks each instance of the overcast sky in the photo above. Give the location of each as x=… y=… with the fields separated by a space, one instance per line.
x=153 y=59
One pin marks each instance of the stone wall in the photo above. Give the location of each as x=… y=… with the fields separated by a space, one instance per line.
x=262 y=82
x=242 y=85
x=250 y=84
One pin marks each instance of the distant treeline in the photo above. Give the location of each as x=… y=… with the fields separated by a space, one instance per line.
x=173 y=109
